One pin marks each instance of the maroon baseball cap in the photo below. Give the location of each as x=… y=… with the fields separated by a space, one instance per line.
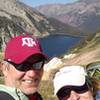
x=20 y=48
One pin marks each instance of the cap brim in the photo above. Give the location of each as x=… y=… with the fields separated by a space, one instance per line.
x=70 y=80
x=24 y=55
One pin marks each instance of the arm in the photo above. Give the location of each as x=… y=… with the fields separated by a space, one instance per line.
x=5 y=96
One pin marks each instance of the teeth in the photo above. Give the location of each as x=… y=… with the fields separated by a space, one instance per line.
x=28 y=81
x=34 y=81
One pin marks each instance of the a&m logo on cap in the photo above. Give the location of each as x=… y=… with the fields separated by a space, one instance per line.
x=28 y=41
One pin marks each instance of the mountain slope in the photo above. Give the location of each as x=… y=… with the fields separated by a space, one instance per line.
x=86 y=53
x=17 y=18
x=83 y=14
x=22 y=16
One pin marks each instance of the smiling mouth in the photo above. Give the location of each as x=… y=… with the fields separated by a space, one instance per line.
x=33 y=82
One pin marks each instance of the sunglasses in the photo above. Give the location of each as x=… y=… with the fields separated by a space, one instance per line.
x=65 y=91
x=25 y=66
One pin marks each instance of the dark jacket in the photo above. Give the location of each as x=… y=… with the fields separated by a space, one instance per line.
x=36 y=96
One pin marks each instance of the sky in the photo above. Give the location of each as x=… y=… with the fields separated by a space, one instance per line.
x=34 y=3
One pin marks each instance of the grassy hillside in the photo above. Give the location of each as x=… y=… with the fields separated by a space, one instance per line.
x=86 y=52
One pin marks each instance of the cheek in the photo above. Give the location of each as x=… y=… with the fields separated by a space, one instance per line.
x=15 y=74
x=19 y=75
x=13 y=77
x=87 y=95
x=41 y=72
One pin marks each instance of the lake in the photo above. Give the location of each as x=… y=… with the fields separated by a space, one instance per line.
x=55 y=45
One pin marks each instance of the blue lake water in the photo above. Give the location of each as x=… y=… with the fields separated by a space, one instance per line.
x=55 y=45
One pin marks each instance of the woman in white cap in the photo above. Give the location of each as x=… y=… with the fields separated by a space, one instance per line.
x=71 y=83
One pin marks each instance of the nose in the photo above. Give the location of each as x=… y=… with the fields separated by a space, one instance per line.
x=32 y=72
x=74 y=95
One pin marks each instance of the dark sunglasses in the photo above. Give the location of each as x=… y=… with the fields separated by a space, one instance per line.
x=25 y=66
x=65 y=91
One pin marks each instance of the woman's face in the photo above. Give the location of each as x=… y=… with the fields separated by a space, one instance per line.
x=27 y=81
x=83 y=92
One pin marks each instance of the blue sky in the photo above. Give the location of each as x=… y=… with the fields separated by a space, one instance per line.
x=35 y=3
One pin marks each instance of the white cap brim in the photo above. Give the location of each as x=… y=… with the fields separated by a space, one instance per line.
x=69 y=76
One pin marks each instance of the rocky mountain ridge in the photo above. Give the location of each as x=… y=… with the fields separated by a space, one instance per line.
x=83 y=14
x=16 y=17
x=22 y=16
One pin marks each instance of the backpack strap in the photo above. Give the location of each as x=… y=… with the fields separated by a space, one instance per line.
x=39 y=97
x=5 y=96
x=35 y=96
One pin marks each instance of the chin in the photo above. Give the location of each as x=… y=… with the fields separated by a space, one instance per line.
x=30 y=91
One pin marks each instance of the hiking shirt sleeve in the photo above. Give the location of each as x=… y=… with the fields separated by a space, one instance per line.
x=5 y=96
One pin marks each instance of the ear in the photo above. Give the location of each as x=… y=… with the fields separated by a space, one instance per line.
x=5 y=69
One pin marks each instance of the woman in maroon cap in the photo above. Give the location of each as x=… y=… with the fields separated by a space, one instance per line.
x=22 y=69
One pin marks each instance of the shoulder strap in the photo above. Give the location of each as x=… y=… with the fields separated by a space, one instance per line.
x=35 y=96
x=5 y=96
x=39 y=97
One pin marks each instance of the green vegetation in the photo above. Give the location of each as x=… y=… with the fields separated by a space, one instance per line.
x=9 y=26
x=93 y=70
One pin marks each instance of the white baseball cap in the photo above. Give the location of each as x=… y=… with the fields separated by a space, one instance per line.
x=69 y=75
